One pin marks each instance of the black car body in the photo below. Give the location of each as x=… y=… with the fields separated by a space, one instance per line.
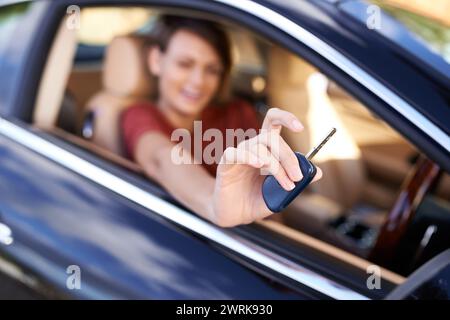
x=65 y=206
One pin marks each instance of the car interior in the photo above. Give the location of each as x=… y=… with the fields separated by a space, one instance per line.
x=85 y=87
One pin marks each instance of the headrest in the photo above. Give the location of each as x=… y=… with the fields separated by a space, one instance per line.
x=125 y=67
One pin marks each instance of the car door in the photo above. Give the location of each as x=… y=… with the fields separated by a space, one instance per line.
x=87 y=228
x=61 y=221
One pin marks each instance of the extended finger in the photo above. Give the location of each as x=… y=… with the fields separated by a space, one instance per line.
x=282 y=152
x=272 y=165
x=318 y=175
x=275 y=118
x=241 y=156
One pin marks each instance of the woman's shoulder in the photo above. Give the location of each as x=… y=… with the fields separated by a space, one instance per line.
x=140 y=118
x=142 y=111
x=143 y=115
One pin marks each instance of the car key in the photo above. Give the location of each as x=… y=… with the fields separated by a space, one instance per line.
x=275 y=196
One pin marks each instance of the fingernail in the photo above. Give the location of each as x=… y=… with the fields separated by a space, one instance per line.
x=297 y=174
x=297 y=125
x=290 y=185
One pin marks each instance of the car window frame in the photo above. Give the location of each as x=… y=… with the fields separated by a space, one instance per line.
x=12 y=77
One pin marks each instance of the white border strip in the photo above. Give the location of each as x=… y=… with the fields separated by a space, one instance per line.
x=177 y=215
x=338 y=59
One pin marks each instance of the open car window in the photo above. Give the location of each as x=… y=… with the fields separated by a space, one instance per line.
x=365 y=167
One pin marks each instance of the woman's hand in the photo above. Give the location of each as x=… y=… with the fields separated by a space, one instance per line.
x=237 y=197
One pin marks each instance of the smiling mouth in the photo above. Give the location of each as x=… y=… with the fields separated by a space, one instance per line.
x=192 y=96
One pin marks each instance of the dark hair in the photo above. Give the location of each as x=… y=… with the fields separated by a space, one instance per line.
x=167 y=25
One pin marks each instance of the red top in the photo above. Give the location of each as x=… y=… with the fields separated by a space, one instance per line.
x=145 y=117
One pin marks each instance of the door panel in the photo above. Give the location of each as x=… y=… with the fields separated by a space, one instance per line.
x=60 y=219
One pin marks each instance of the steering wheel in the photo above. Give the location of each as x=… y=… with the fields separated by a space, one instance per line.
x=418 y=182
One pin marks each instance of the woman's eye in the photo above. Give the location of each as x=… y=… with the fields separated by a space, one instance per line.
x=214 y=71
x=184 y=64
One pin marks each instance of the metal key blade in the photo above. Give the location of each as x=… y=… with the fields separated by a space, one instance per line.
x=316 y=149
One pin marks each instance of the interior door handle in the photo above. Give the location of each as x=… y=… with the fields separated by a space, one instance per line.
x=6 y=237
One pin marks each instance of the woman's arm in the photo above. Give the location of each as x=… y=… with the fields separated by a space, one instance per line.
x=191 y=184
x=234 y=197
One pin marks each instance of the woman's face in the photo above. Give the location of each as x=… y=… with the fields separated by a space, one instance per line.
x=189 y=73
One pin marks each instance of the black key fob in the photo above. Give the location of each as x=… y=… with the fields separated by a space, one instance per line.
x=276 y=197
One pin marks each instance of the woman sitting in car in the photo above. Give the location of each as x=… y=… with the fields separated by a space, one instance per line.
x=191 y=60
